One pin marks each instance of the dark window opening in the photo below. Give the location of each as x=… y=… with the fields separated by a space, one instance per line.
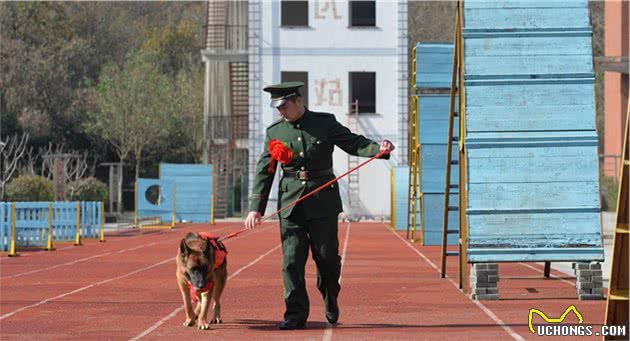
x=294 y=13
x=362 y=13
x=290 y=76
x=363 y=89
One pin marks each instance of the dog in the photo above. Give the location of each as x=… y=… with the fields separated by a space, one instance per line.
x=201 y=276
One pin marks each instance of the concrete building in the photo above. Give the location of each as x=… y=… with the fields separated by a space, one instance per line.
x=344 y=51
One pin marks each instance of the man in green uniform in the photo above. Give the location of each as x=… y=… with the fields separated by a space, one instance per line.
x=311 y=136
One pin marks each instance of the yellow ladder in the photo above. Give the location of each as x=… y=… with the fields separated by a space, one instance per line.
x=617 y=301
x=457 y=90
x=415 y=199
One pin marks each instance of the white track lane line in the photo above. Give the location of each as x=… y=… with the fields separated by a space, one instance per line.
x=85 y=259
x=5 y=259
x=485 y=309
x=176 y=311
x=170 y=259
x=78 y=261
x=328 y=333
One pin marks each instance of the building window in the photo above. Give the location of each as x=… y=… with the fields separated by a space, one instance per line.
x=362 y=13
x=363 y=89
x=290 y=76
x=294 y=13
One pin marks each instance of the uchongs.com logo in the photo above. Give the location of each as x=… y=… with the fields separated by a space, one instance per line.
x=554 y=326
x=555 y=329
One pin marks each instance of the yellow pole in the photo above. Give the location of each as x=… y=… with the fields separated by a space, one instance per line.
x=212 y=209
x=102 y=237
x=393 y=199
x=174 y=204
x=49 y=243
x=77 y=240
x=12 y=252
x=135 y=203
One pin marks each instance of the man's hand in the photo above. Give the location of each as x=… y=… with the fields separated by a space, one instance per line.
x=387 y=146
x=253 y=219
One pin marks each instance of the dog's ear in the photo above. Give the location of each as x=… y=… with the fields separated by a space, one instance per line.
x=183 y=248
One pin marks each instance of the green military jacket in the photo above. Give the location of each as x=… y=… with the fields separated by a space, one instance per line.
x=312 y=139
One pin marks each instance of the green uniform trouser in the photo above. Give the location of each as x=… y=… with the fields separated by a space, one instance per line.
x=297 y=235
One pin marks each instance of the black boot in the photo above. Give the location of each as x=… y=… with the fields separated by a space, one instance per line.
x=332 y=312
x=291 y=324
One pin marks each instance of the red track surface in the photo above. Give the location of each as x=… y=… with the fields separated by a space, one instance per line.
x=125 y=289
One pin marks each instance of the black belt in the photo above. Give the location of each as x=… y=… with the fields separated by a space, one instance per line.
x=305 y=175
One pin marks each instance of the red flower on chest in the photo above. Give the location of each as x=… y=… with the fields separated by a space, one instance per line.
x=279 y=151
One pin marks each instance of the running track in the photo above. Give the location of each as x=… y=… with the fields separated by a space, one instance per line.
x=125 y=289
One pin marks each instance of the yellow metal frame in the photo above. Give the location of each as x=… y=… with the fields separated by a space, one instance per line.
x=392 y=202
x=411 y=137
x=411 y=182
x=12 y=251
x=414 y=196
x=173 y=223
x=135 y=203
x=617 y=300
x=418 y=198
x=457 y=90
x=102 y=231
x=462 y=162
x=77 y=240
x=174 y=205
x=49 y=242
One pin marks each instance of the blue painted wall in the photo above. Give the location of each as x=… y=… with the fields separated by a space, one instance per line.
x=31 y=219
x=434 y=65
x=533 y=189
x=401 y=198
x=433 y=115
x=189 y=185
x=194 y=189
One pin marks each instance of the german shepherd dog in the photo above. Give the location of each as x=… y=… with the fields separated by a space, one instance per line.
x=201 y=276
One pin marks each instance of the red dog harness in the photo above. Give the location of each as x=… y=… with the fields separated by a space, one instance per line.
x=219 y=259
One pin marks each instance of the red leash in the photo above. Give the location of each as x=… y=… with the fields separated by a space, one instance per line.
x=234 y=234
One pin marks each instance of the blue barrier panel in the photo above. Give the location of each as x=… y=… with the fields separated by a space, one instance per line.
x=401 y=193
x=433 y=168
x=163 y=207
x=434 y=65
x=31 y=224
x=433 y=217
x=5 y=226
x=64 y=221
x=531 y=144
x=32 y=221
x=433 y=119
x=193 y=190
x=90 y=219
x=401 y=188
x=433 y=116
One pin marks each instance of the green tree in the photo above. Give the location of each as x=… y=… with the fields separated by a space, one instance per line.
x=187 y=113
x=173 y=45
x=42 y=65
x=133 y=107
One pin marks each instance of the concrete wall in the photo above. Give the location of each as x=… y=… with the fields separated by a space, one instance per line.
x=328 y=50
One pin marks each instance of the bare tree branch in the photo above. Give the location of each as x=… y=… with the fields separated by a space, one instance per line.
x=76 y=167
x=47 y=162
x=29 y=162
x=11 y=151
